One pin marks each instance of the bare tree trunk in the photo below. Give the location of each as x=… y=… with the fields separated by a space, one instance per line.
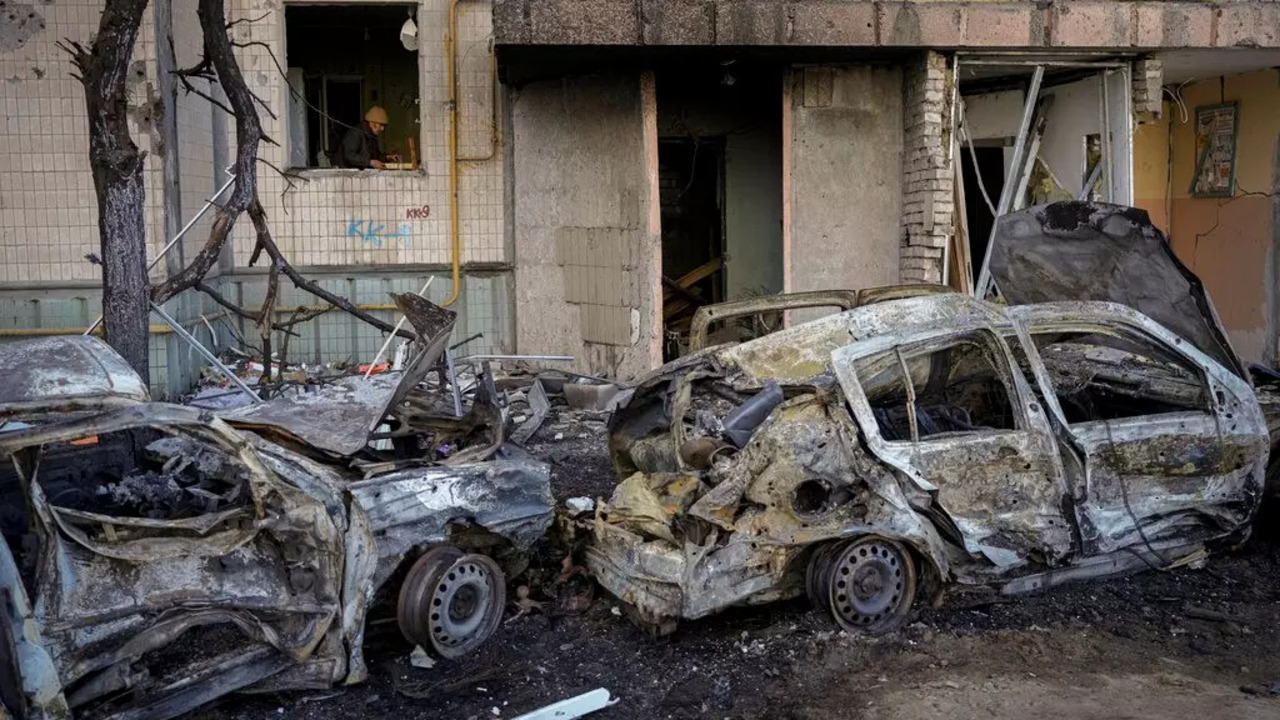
x=117 y=179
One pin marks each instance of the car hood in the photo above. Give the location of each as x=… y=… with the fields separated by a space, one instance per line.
x=338 y=418
x=1094 y=251
x=68 y=373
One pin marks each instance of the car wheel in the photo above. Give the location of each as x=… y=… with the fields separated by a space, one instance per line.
x=450 y=603
x=868 y=584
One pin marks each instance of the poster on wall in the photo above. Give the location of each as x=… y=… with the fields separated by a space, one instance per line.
x=1216 y=127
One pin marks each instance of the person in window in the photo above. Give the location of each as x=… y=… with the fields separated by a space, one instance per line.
x=360 y=144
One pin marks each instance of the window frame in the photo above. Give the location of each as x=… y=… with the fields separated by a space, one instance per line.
x=287 y=93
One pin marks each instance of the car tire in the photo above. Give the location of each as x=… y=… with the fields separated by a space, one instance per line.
x=451 y=603
x=867 y=584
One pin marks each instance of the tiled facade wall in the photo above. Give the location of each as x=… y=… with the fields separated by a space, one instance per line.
x=48 y=215
x=198 y=177
x=346 y=217
x=927 y=201
x=48 y=210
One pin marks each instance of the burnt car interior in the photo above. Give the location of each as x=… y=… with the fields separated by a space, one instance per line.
x=953 y=389
x=1107 y=376
x=169 y=478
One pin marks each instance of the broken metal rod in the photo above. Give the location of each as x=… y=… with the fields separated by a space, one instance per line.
x=1006 y=195
x=190 y=224
x=1093 y=180
x=204 y=351
x=395 y=333
x=543 y=358
x=453 y=383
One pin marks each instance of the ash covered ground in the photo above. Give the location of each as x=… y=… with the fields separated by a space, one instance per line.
x=1191 y=643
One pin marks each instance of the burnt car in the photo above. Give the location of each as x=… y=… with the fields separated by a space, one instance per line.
x=158 y=556
x=1095 y=421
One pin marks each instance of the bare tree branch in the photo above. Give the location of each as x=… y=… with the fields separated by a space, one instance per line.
x=248 y=21
x=259 y=218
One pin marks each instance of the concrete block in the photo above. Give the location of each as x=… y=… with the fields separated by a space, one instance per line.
x=917 y=24
x=1091 y=24
x=1173 y=24
x=589 y=397
x=850 y=23
x=1253 y=24
x=573 y=22
x=750 y=22
x=677 y=22
x=1003 y=25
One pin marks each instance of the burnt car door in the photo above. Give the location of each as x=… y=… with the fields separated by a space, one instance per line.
x=944 y=407
x=1168 y=444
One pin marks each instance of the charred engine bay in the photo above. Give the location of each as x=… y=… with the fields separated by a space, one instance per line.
x=1185 y=643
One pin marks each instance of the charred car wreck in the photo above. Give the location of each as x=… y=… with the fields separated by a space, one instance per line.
x=157 y=556
x=1097 y=423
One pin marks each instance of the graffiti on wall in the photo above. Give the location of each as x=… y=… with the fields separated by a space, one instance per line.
x=378 y=234
x=372 y=232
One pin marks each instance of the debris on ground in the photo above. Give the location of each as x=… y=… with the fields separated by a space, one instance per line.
x=574 y=707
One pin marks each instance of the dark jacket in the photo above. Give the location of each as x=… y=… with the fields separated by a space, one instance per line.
x=359 y=146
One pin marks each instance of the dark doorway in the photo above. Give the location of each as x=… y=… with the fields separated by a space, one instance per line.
x=720 y=180
x=691 y=192
x=977 y=214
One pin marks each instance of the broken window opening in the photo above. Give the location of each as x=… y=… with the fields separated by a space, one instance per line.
x=958 y=388
x=1105 y=376
x=344 y=60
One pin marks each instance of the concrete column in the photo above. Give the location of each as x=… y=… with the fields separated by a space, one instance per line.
x=843 y=182
x=586 y=228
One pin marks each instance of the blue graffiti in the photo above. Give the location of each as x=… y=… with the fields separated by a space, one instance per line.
x=376 y=234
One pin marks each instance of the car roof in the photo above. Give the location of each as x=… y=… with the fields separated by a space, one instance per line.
x=65 y=373
x=804 y=351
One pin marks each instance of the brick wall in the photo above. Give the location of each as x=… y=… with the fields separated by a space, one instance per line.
x=1148 y=96
x=927 y=201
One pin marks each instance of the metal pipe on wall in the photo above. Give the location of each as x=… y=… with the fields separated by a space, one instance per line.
x=451 y=65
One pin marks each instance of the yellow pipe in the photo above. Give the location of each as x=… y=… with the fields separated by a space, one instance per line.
x=455 y=239
x=455 y=235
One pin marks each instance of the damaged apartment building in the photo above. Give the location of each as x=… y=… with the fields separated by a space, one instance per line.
x=578 y=176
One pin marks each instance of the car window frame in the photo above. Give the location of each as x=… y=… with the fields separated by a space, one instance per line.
x=861 y=408
x=1027 y=326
